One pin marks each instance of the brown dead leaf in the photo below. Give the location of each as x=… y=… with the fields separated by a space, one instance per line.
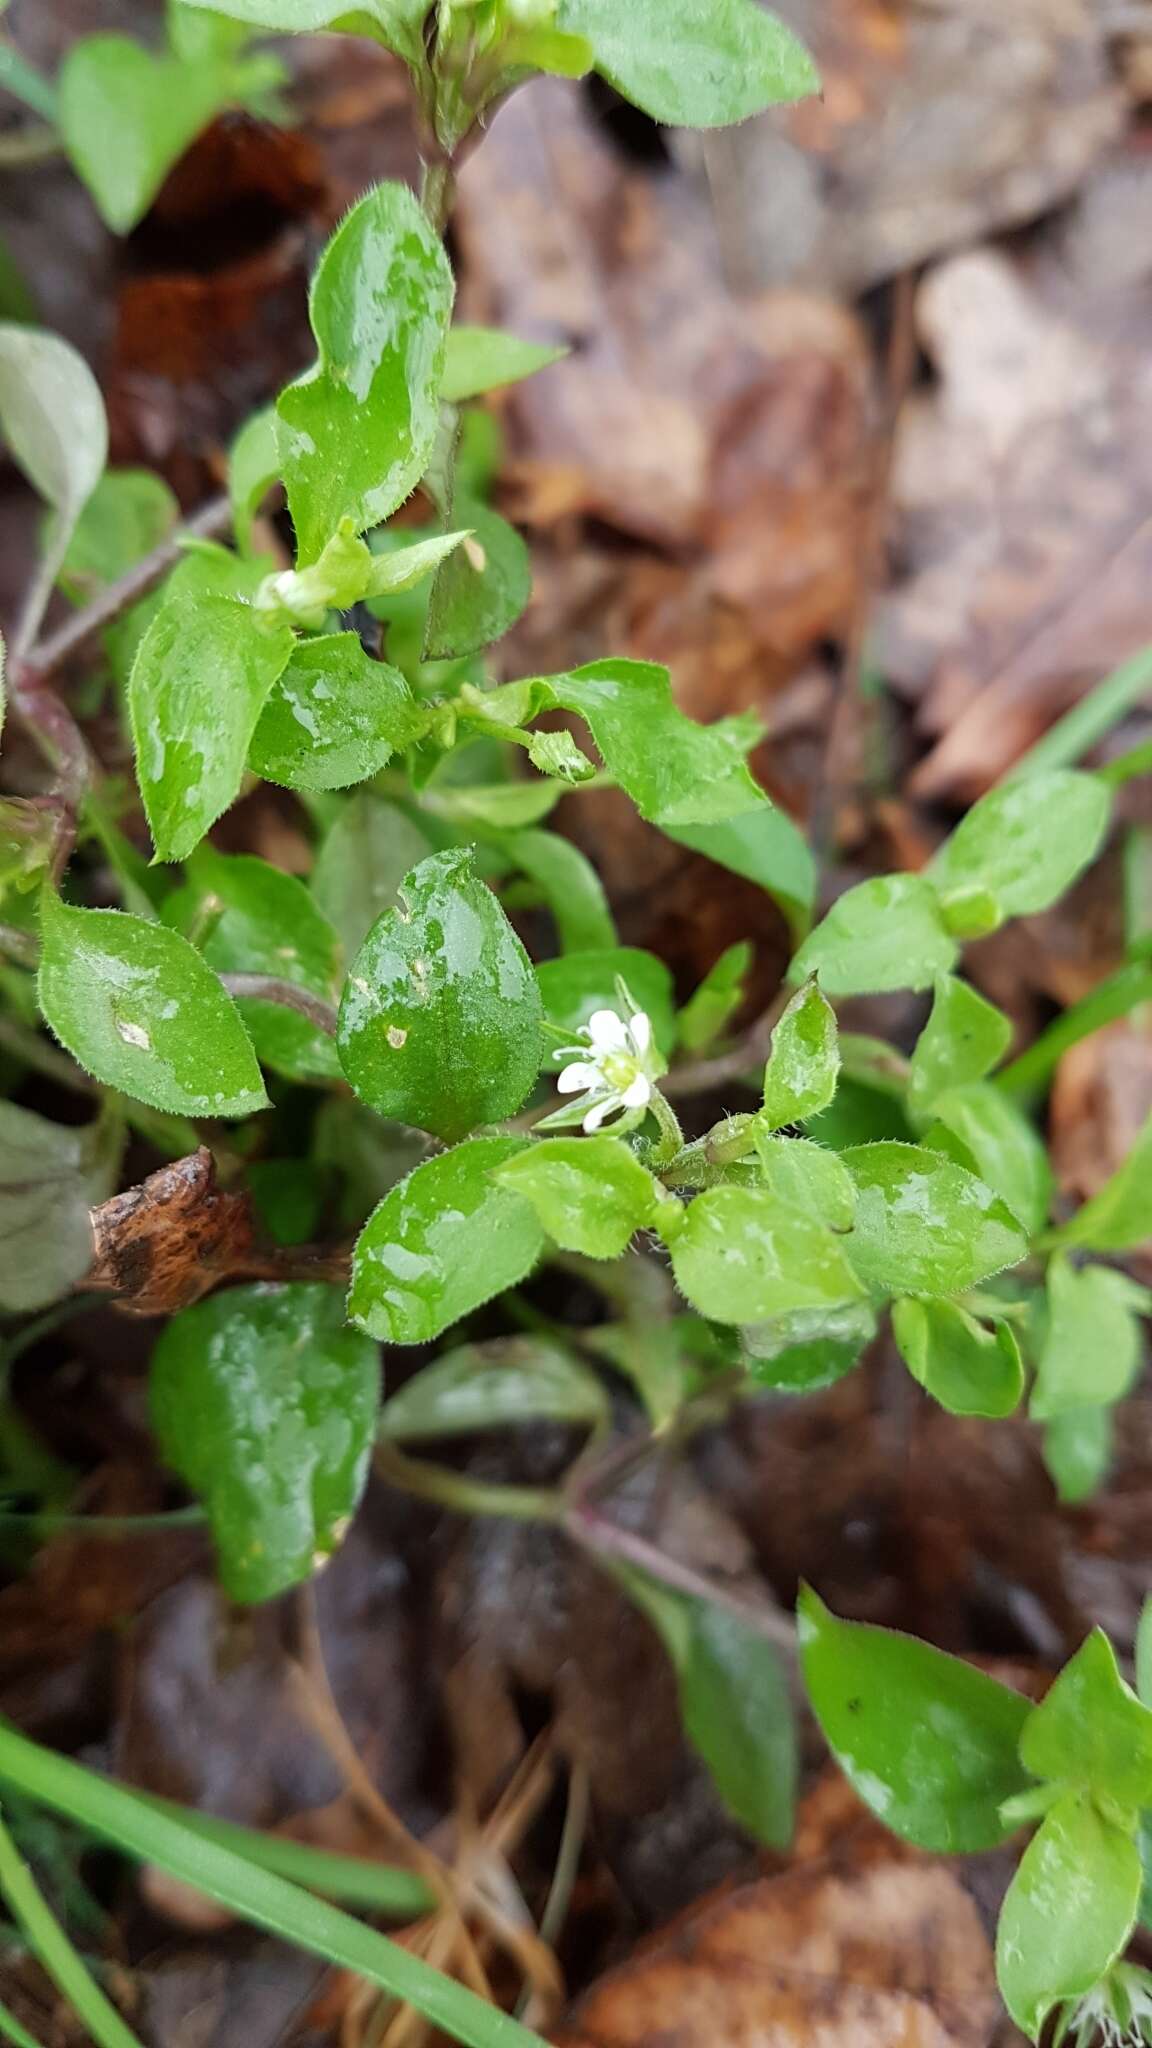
x=165 y=1243
x=1101 y=1096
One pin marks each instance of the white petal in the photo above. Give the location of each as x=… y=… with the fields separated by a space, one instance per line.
x=607 y=1032
x=599 y=1111
x=641 y=1029
x=637 y=1093
x=579 y=1075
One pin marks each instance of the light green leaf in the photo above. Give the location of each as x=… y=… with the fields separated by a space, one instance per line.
x=1120 y=1216
x=348 y=572
x=53 y=420
x=982 y=1128
x=808 y=1350
x=924 y=1225
x=265 y=1403
x=128 y=514
x=570 y=886
x=501 y=805
x=1068 y=1913
x=969 y=1369
x=1078 y=1452
x=734 y=1703
x=1091 y=1730
x=136 y=1005
x=366 y=854
x=194 y=33
x=556 y=753
x=247 y=917
x=808 y=1177
x=575 y=986
x=494 y=1386
x=887 y=933
x=442 y=1244
x=482 y=588
x=357 y=430
x=745 y=1256
x=395 y=23
x=590 y=1194
x=440 y=1018
x=928 y=1742
x=200 y=680
x=964 y=1038
x=803 y=1061
x=480 y=359
x=50 y=1177
x=677 y=773
x=717 y=999
x=694 y=66
x=766 y=848
x=1025 y=842
x=1092 y=1350
x=253 y=468
x=334 y=716
x=126 y=117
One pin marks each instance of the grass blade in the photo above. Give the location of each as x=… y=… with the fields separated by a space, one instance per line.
x=52 y=1948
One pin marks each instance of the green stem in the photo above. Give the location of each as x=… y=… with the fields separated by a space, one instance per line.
x=11 y=2030
x=1091 y=719
x=1114 y=998
x=1126 y=767
x=55 y=1952
x=670 y=1143
x=449 y=1489
x=18 y=78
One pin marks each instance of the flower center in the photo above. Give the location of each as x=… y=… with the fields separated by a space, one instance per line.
x=619 y=1069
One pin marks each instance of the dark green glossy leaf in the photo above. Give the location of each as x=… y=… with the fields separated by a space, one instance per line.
x=1026 y=841
x=964 y=1038
x=357 y=430
x=136 y=1005
x=1092 y=1350
x=694 y=66
x=1068 y=1913
x=808 y=1177
x=50 y=1177
x=734 y=1703
x=289 y=1198
x=810 y=1349
x=717 y=999
x=581 y=983
x=590 y=1194
x=247 y=917
x=494 y=1386
x=367 y=851
x=128 y=514
x=924 y=1225
x=334 y=717
x=1078 y=1452
x=803 y=1062
x=201 y=677
x=743 y=1255
x=968 y=1368
x=928 y=1742
x=441 y=1244
x=766 y=848
x=482 y=588
x=265 y=1403
x=127 y=116
x=480 y=359
x=1090 y=1729
x=995 y=1140
x=571 y=888
x=52 y=416
x=884 y=934
x=1120 y=1216
x=440 y=1018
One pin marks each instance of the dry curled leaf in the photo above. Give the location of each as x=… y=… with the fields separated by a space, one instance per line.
x=163 y=1244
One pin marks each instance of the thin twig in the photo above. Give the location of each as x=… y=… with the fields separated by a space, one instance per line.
x=265 y=988
x=604 y=1538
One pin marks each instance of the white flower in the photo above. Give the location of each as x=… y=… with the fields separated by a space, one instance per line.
x=614 y=1070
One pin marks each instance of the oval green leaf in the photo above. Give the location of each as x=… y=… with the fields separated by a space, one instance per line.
x=694 y=66
x=1068 y=1912
x=1091 y=1730
x=969 y=1369
x=367 y=851
x=981 y=1128
x=334 y=717
x=924 y=1225
x=803 y=1060
x=590 y=1194
x=885 y=934
x=1026 y=841
x=964 y=1038
x=1092 y=1348
x=494 y=1386
x=744 y=1255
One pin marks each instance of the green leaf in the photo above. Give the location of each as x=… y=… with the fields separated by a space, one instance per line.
x=928 y=1742
x=200 y=680
x=803 y=1061
x=744 y=1256
x=265 y=1403
x=982 y=1128
x=136 y=1005
x=556 y=754
x=440 y=1018
x=590 y=1194
x=247 y=917
x=734 y=1702
x=964 y=1038
x=50 y=1177
x=366 y=854
x=766 y=848
x=395 y=23
x=717 y=999
x=810 y=1349
x=1092 y=1350
x=482 y=588
x=348 y=572
x=884 y=934
x=480 y=359
x=1068 y=1912
x=193 y=32
x=128 y=514
x=441 y=1244
x=1091 y=1730
x=494 y=1386
x=969 y=1369
x=694 y=66
x=677 y=773
x=924 y=1225
x=501 y=805
x=1078 y=1452
x=1142 y=1654
x=253 y=467
x=1025 y=842
x=53 y=420
x=334 y=717
x=808 y=1177
x=570 y=886
x=126 y=117
x=357 y=430
x=1120 y=1216
x=575 y=986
